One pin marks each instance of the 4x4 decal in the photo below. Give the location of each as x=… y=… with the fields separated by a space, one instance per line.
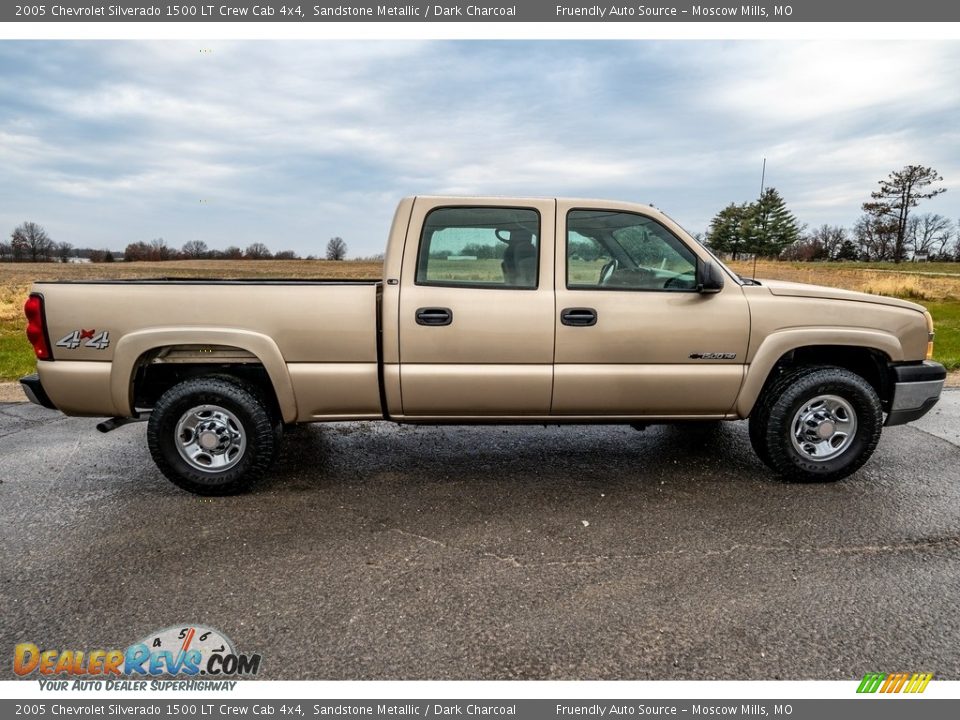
x=94 y=340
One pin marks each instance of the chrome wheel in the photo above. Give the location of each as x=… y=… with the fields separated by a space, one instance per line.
x=824 y=427
x=210 y=438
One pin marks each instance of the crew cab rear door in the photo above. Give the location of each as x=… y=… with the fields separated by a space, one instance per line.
x=476 y=329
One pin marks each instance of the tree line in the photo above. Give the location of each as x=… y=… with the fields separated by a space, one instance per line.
x=888 y=229
x=30 y=242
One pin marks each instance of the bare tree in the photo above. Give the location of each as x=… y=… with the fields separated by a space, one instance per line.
x=899 y=192
x=875 y=237
x=286 y=255
x=195 y=249
x=34 y=241
x=18 y=246
x=336 y=249
x=233 y=253
x=63 y=251
x=137 y=251
x=5 y=251
x=258 y=251
x=826 y=241
x=929 y=234
x=159 y=250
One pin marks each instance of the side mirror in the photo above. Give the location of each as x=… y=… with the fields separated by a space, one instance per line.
x=709 y=277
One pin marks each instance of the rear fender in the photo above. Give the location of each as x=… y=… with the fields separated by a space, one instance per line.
x=131 y=347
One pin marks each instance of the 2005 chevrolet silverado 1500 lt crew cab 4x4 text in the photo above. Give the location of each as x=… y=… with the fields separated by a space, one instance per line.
x=491 y=310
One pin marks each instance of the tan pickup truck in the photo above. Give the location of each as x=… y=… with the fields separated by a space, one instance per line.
x=491 y=310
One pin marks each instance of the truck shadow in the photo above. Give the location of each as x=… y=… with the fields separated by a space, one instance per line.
x=351 y=454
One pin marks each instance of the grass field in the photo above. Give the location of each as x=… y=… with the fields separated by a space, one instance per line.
x=935 y=285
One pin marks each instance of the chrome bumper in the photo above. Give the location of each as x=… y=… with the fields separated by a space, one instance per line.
x=916 y=389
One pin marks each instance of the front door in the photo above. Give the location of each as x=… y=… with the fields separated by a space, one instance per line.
x=476 y=309
x=633 y=335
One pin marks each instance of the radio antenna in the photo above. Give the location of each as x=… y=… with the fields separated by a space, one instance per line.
x=763 y=176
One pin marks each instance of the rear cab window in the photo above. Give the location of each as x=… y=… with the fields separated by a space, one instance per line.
x=482 y=247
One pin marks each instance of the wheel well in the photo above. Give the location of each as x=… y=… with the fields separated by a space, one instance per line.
x=870 y=364
x=160 y=369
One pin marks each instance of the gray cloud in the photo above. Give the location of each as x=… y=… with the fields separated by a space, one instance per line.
x=291 y=142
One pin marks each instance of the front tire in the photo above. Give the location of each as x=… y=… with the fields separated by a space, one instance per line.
x=817 y=424
x=211 y=436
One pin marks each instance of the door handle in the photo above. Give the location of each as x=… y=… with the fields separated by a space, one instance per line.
x=578 y=317
x=434 y=316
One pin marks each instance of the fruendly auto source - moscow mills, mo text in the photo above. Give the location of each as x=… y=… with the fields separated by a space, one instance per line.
x=394 y=11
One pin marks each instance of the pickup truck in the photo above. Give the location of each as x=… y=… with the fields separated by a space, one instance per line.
x=490 y=310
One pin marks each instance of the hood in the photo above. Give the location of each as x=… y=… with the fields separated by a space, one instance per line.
x=791 y=289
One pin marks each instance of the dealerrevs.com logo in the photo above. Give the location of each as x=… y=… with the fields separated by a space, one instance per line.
x=176 y=651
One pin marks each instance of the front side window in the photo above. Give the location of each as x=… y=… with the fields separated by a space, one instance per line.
x=613 y=250
x=495 y=247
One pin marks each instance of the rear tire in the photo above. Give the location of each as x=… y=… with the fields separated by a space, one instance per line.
x=211 y=436
x=817 y=424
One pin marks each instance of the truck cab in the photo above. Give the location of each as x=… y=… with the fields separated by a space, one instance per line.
x=558 y=308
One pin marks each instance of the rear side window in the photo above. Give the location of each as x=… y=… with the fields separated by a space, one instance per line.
x=495 y=247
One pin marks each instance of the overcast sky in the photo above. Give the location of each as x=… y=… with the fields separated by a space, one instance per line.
x=292 y=142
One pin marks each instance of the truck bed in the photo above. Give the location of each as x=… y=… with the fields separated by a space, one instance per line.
x=310 y=320
x=316 y=332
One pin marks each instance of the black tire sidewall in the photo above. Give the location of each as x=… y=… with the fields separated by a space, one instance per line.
x=787 y=460
x=258 y=428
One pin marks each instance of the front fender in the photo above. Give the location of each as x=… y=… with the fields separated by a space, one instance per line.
x=779 y=343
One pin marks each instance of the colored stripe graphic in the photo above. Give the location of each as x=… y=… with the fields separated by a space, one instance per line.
x=898 y=683
x=870 y=682
x=923 y=681
x=913 y=684
x=888 y=683
x=894 y=682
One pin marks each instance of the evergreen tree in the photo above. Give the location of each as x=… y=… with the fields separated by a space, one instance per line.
x=764 y=227
x=848 y=251
x=772 y=226
x=730 y=230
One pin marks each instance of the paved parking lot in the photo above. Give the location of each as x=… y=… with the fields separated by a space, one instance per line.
x=378 y=551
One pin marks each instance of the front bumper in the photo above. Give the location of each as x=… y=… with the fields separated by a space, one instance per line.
x=916 y=389
x=33 y=389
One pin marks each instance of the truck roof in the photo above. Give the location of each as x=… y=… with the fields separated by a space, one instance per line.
x=586 y=202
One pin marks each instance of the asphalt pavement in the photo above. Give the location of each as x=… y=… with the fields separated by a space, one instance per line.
x=583 y=552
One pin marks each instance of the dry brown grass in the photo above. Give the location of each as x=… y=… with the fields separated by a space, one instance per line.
x=904 y=284
x=911 y=288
